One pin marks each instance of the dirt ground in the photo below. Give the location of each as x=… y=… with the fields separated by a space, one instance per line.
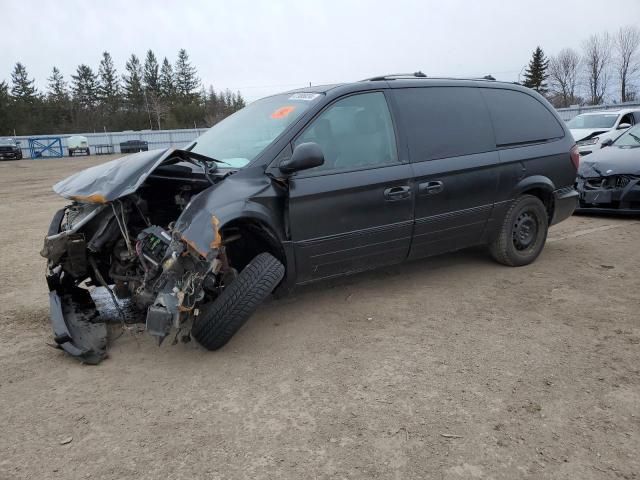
x=448 y=368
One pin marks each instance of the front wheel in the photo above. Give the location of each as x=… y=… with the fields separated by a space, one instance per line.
x=523 y=232
x=222 y=318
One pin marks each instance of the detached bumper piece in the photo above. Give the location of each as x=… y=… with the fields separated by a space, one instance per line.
x=614 y=194
x=77 y=327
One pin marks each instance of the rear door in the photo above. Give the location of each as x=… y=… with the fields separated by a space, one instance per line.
x=452 y=151
x=527 y=138
x=355 y=212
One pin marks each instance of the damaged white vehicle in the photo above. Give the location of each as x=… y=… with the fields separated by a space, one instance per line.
x=593 y=130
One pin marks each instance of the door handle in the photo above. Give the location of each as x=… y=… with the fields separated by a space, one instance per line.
x=430 y=188
x=397 y=193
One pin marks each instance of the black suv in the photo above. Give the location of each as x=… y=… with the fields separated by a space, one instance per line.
x=304 y=186
x=10 y=149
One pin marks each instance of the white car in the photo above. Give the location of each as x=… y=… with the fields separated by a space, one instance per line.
x=591 y=130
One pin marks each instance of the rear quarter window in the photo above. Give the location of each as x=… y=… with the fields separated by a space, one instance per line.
x=443 y=122
x=519 y=118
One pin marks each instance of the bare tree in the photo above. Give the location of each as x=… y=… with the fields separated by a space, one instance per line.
x=563 y=75
x=158 y=107
x=597 y=57
x=627 y=42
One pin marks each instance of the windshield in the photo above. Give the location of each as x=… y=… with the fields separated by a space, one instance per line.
x=606 y=120
x=630 y=138
x=7 y=141
x=241 y=137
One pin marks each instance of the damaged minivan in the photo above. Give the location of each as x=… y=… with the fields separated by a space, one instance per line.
x=299 y=187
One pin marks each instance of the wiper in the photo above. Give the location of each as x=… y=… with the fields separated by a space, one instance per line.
x=207 y=164
x=202 y=158
x=635 y=137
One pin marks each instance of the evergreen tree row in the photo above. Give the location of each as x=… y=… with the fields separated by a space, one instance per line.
x=148 y=95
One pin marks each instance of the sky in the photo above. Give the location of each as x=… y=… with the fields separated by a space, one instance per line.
x=263 y=47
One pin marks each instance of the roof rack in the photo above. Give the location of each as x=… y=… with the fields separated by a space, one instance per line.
x=393 y=76
x=419 y=74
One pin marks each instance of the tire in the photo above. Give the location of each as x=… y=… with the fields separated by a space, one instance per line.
x=222 y=318
x=70 y=153
x=523 y=232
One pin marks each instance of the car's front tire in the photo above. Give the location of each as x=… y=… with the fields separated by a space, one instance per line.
x=523 y=232
x=222 y=318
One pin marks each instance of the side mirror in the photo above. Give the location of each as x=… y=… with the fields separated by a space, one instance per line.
x=18 y=142
x=607 y=143
x=305 y=156
x=623 y=126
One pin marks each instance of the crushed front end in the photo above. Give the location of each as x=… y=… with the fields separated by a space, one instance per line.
x=609 y=193
x=130 y=246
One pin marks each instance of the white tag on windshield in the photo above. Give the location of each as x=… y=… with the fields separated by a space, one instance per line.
x=304 y=96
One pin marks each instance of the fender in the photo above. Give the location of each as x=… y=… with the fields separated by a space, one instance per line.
x=534 y=181
x=247 y=194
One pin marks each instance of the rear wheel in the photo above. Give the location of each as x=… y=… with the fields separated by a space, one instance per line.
x=222 y=318
x=523 y=232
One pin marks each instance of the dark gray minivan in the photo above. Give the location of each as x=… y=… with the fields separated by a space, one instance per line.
x=304 y=186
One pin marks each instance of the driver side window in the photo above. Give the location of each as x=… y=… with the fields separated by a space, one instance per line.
x=628 y=118
x=355 y=132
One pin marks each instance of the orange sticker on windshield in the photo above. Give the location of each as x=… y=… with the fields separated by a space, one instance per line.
x=283 y=111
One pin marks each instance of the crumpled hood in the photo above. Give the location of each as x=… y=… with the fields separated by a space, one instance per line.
x=610 y=161
x=582 y=133
x=112 y=180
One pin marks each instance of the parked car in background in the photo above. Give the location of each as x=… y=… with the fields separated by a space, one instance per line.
x=591 y=129
x=10 y=149
x=134 y=146
x=78 y=144
x=609 y=180
x=305 y=186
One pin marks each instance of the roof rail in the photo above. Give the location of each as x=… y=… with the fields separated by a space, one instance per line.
x=419 y=74
x=392 y=76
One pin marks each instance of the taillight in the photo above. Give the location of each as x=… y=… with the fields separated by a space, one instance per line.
x=575 y=156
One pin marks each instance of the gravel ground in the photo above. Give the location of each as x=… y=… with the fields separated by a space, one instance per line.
x=448 y=368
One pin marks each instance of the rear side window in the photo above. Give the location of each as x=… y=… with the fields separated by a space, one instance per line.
x=444 y=122
x=519 y=118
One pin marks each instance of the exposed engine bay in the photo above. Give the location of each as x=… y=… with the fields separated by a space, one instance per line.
x=130 y=246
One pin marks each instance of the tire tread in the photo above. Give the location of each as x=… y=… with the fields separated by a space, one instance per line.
x=227 y=313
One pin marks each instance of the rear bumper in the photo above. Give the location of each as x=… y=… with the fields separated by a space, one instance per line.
x=565 y=203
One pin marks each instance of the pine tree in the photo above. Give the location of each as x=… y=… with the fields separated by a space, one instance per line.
x=239 y=101
x=84 y=86
x=57 y=87
x=23 y=89
x=186 y=77
x=151 y=73
x=536 y=73
x=166 y=82
x=5 y=113
x=109 y=84
x=133 y=83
